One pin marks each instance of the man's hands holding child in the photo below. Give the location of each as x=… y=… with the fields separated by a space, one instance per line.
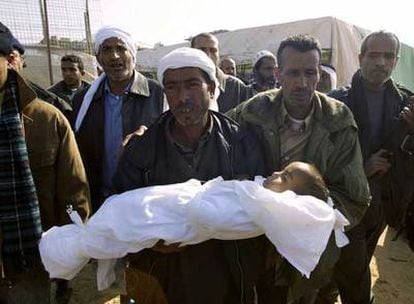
x=172 y=248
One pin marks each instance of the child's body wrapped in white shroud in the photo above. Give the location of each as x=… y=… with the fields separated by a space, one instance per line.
x=190 y=213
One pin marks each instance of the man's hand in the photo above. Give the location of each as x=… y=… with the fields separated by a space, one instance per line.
x=140 y=131
x=407 y=114
x=173 y=248
x=378 y=163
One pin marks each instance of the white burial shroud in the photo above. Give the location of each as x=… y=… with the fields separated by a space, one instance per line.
x=190 y=213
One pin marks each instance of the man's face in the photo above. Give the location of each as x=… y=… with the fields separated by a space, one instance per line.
x=267 y=69
x=208 y=46
x=3 y=70
x=228 y=67
x=16 y=61
x=298 y=76
x=72 y=75
x=379 y=59
x=188 y=95
x=116 y=60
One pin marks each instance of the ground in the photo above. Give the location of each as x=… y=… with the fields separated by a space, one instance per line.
x=393 y=270
x=392 y=275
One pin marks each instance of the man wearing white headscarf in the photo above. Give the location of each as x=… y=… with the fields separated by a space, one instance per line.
x=192 y=141
x=118 y=102
x=264 y=72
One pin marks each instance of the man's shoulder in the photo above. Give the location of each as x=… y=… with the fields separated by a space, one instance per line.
x=153 y=83
x=260 y=107
x=406 y=92
x=235 y=81
x=39 y=109
x=141 y=79
x=51 y=98
x=56 y=87
x=335 y=114
x=340 y=94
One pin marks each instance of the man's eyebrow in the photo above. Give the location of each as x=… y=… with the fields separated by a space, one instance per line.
x=184 y=80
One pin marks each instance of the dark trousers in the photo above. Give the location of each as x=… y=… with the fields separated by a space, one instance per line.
x=352 y=273
x=26 y=285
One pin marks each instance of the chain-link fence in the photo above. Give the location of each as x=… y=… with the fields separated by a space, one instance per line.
x=50 y=29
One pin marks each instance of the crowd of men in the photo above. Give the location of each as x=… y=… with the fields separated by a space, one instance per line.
x=78 y=143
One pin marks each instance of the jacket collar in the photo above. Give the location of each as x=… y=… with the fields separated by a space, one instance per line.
x=139 y=86
x=26 y=94
x=329 y=113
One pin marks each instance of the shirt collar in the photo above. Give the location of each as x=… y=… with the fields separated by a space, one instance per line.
x=299 y=125
x=107 y=89
x=203 y=137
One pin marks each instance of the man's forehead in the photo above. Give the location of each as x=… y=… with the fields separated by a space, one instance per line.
x=69 y=64
x=206 y=42
x=113 y=41
x=381 y=42
x=182 y=74
x=228 y=62
x=293 y=57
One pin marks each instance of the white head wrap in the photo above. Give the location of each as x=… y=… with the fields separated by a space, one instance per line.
x=189 y=57
x=107 y=32
x=259 y=55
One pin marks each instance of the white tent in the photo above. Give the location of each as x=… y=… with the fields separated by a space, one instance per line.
x=340 y=42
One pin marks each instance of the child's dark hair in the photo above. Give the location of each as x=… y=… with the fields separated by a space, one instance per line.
x=313 y=185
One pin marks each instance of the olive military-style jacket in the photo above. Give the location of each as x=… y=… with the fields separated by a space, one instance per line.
x=333 y=146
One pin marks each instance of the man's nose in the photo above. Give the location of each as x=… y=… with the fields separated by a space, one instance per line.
x=183 y=92
x=380 y=61
x=302 y=81
x=114 y=53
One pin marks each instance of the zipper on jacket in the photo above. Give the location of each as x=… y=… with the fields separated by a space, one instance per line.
x=242 y=294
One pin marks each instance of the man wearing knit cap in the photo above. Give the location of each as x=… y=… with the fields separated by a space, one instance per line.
x=232 y=90
x=264 y=72
x=191 y=141
x=118 y=102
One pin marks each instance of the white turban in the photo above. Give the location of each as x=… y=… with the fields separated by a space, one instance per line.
x=107 y=32
x=185 y=57
x=264 y=53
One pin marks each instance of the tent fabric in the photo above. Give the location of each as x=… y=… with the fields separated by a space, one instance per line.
x=340 y=38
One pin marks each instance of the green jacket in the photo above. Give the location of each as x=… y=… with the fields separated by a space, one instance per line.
x=55 y=162
x=333 y=146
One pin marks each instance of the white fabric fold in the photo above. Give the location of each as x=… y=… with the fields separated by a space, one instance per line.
x=87 y=99
x=190 y=213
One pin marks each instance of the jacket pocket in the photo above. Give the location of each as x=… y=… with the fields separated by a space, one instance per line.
x=44 y=158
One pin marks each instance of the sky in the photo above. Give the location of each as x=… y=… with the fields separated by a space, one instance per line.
x=169 y=22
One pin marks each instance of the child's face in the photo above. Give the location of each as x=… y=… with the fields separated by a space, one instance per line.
x=291 y=178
